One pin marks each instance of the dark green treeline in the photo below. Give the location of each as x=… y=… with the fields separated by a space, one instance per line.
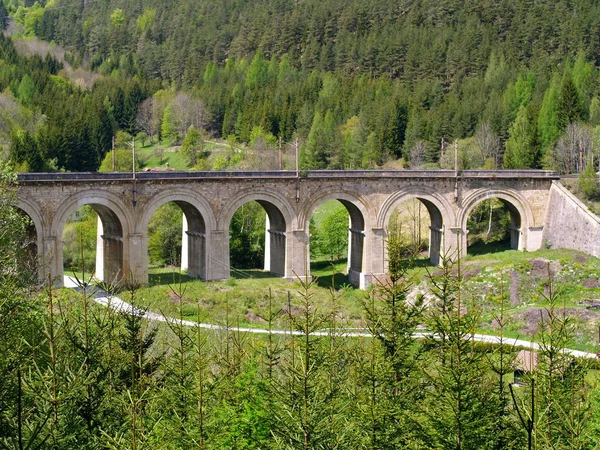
x=359 y=83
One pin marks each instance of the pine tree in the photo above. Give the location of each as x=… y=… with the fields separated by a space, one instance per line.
x=3 y=16
x=389 y=370
x=25 y=151
x=561 y=392
x=570 y=106
x=521 y=150
x=167 y=128
x=193 y=146
x=314 y=154
x=461 y=407
x=548 y=122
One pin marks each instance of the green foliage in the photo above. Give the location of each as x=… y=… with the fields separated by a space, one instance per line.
x=145 y=19
x=164 y=236
x=3 y=16
x=17 y=263
x=79 y=241
x=117 y=18
x=24 y=152
x=123 y=161
x=26 y=90
x=489 y=222
x=562 y=409
x=81 y=375
x=462 y=408
x=392 y=360
x=588 y=182
x=548 y=123
x=257 y=75
x=519 y=95
x=193 y=146
x=570 y=106
x=30 y=17
x=168 y=129
x=247 y=241
x=329 y=239
x=423 y=74
x=521 y=149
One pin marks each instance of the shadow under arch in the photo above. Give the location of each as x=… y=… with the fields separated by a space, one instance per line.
x=32 y=261
x=356 y=231
x=279 y=217
x=199 y=221
x=33 y=211
x=440 y=215
x=521 y=215
x=115 y=223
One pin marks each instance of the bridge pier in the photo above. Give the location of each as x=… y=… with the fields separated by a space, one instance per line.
x=298 y=256
x=277 y=255
x=135 y=263
x=275 y=250
x=113 y=267
x=436 y=250
x=376 y=263
x=456 y=244
x=49 y=260
x=534 y=239
x=196 y=251
x=218 y=256
x=356 y=257
x=515 y=238
x=184 y=244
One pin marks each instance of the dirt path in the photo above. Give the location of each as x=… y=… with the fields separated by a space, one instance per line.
x=117 y=304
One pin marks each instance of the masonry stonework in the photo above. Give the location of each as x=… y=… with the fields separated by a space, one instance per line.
x=208 y=200
x=569 y=224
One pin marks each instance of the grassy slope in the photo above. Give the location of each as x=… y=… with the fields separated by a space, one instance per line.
x=520 y=276
x=149 y=155
x=572 y=184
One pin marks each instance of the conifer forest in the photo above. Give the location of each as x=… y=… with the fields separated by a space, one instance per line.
x=244 y=85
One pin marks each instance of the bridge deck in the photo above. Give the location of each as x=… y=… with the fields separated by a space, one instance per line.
x=283 y=174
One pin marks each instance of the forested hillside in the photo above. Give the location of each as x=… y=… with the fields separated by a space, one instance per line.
x=358 y=83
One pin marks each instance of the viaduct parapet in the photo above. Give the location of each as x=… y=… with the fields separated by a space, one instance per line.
x=125 y=203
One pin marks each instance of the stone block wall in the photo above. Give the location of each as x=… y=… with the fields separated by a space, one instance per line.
x=570 y=224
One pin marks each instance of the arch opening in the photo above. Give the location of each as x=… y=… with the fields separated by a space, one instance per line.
x=93 y=243
x=19 y=243
x=416 y=229
x=257 y=239
x=493 y=225
x=337 y=234
x=177 y=239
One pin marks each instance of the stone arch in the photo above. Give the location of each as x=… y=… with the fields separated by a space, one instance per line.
x=359 y=220
x=521 y=214
x=279 y=219
x=116 y=225
x=34 y=211
x=199 y=222
x=440 y=211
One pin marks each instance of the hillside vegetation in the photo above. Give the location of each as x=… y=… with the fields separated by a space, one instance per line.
x=238 y=84
x=358 y=84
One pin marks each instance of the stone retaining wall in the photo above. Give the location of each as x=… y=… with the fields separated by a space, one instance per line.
x=569 y=223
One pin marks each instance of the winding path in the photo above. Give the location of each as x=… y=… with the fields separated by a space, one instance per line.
x=119 y=305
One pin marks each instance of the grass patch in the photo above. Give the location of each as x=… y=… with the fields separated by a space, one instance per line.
x=482 y=248
x=521 y=277
x=572 y=184
x=329 y=274
x=241 y=300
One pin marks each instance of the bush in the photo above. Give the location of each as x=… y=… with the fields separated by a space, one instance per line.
x=588 y=182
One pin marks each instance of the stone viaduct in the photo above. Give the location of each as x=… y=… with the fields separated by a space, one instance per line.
x=125 y=203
